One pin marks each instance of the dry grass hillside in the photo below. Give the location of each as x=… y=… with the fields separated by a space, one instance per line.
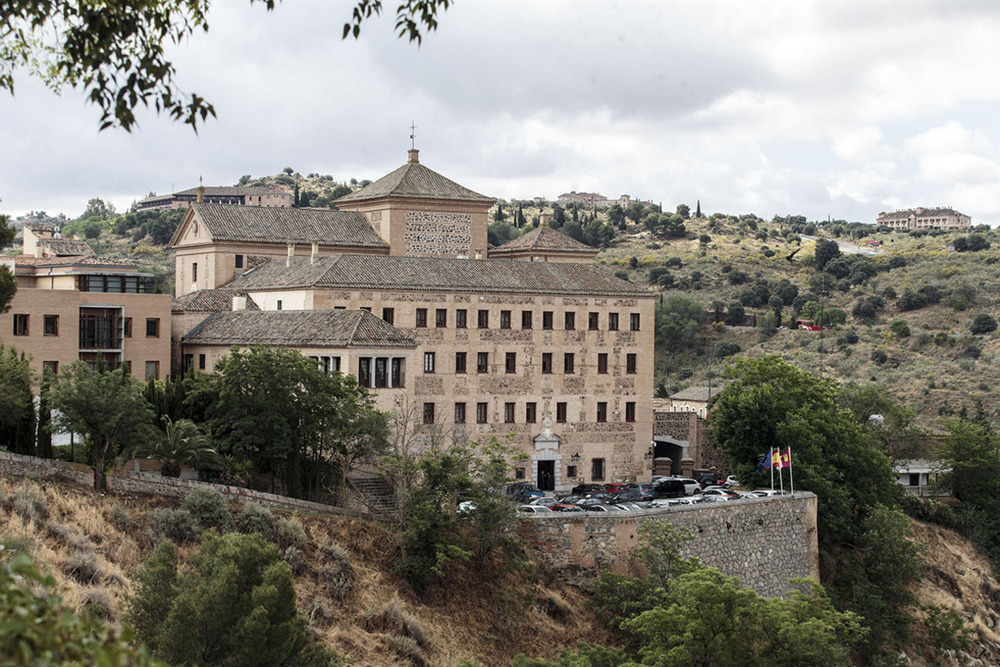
x=93 y=543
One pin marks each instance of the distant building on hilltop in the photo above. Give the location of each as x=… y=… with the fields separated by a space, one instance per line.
x=924 y=218
x=233 y=195
x=588 y=198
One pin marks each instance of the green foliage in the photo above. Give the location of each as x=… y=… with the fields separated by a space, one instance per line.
x=501 y=232
x=17 y=411
x=679 y=321
x=183 y=444
x=825 y=252
x=7 y=231
x=172 y=524
x=39 y=629
x=900 y=329
x=232 y=604
x=255 y=518
x=725 y=349
x=106 y=406
x=879 y=357
x=983 y=324
x=867 y=308
x=864 y=557
x=665 y=225
x=157 y=225
x=582 y=656
x=829 y=317
x=8 y=288
x=971 y=243
x=735 y=314
x=209 y=509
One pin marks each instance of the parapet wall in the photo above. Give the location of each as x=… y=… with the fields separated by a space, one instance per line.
x=763 y=541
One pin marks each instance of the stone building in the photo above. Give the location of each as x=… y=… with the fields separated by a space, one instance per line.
x=236 y=195
x=544 y=244
x=924 y=218
x=552 y=355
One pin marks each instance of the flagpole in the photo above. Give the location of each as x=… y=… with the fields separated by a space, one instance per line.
x=781 y=478
x=770 y=459
x=791 y=473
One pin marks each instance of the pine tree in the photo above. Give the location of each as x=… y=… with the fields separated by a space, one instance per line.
x=296 y=202
x=697 y=209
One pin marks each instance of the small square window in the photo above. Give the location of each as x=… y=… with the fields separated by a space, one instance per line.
x=152 y=370
x=50 y=367
x=461 y=318
x=510 y=362
x=602 y=363
x=388 y=315
x=508 y=413
x=152 y=327
x=421 y=318
x=571 y=471
x=602 y=411
x=631 y=363
x=612 y=321
x=239 y=261
x=460 y=413
x=483 y=362
x=593 y=322
x=547 y=319
x=630 y=411
x=633 y=322
x=561 y=409
x=518 y=473
x=428 y=413
x=483 y=319
x=428 y=362
x=460 y=362
x=569 y=321
x=481 y=409
x=526 y=319
x=51 y=325
x=530 y=412
x=127 y=327
x=546 y=362
x=505 y=319
x=21 y=324
x=569 y=363
x=441 y=318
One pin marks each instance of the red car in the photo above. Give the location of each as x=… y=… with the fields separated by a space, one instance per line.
x=809 y=325
x=613 y=487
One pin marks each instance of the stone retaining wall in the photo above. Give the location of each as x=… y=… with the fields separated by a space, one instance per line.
x=126 y=481
x=764 y=541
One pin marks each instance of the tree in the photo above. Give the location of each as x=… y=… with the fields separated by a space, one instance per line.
x=7 y=231
x=679 y=320
x=616 y=216
x=116 y=52
x=43 y=441
x=983 y=324
x=634 y=212
x=104 y=405
x=684 y=211
x=16 y=406
x=825 y=251
x=40 y=629
x=182 y=444
x=8 y=288
x=232 y=604
x=98 y=208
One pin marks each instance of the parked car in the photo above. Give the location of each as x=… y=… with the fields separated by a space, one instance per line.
x=669 y=487
x=627 y=496
x=732 y=481
x=522 y=492
x=614 y=487
x=719 y=492
x=691 y=487
x=547 y=501
x=565 y=507
x=583 y=489
x=534 y=509
x=707 y=479
x=599 y=507
x=764 y=493
x=645 y=489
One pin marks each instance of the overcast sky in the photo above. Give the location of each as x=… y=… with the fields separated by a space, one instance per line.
x=840 y=108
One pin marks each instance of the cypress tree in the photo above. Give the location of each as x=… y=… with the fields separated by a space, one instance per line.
x=44 y=436
x=697 y=209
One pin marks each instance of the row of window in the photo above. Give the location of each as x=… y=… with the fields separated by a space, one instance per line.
x=530 y=412
x=152 y=368
x=596 y=471
x=510 y=362
x=97 y=327
x=506 y=319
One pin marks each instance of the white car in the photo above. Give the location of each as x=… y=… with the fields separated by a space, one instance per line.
x=764 y=493
x=534 y=509
x=691 y=487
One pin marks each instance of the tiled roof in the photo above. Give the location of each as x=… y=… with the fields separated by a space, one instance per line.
x=547 y=239
x=921 y=213
x=209 y=301
x=698 y=393
x=271 y=224
x=236 y=190
x=67 y=247
x=436 y=274
x=30 y=260
x=37 y=226
x=298 y=328
x=415 y=181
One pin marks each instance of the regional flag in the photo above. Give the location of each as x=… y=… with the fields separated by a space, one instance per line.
x=776 y=459
x=786 y=458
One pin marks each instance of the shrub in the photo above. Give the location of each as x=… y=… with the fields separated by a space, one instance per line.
x=983 y=324
x=120 y=518
x=675 y=262
x=879 y=357
x=621 y=274
x=911 y=300
x=16 y=543
x=289 y=533
x=29 y=502
x=98 y=603
x=737 y=277
x=167 y=524
x=897 y=262
x=851 y=337
x=725 y=349
x=900 y=329
x=392 y=618
x=209 y=509
x=82 y=567
x=971 y=352
x=255 y=518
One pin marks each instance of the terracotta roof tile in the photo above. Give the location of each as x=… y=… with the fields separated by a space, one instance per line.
x=415 y=181
x=271 y=224
x=298 y=328
x=547 y=239
x=66 y=247
x=209 y=301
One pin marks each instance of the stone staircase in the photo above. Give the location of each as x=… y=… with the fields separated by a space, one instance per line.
x=375 y=495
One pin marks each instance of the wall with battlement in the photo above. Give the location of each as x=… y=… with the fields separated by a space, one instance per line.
x=764 y=542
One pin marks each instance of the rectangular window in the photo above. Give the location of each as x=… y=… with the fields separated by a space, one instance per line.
x=530 y=412
x=397 y=371
x=633 y=322
x=365 y=371
x=602 y=411
x=367 y=309
x=570 y=321
x=630 y=411
x=460 y=413
x=441 y=318
x=201 y=362
x=546 y=319
x=526 y=319
x=561 y=413
x=460 y=318
x=631 y=363
x=127 y=327
x=483 y=362
x=428 y=413
x=571 y=471
x=21 y=324
x=483 y=319
x=505 y=319
x=602 y=363
x=152 y=327
x=597 y=470
x=51 y=367
x=152 y=370
x=279 y=305
x=421 y=318
x=239 y=261
x=546 y=362
x=388 y=315
x=460 y=362
x=593 y=321
x=194 y=272
x=382 y=372
x=51 y=327
x=569 y=362
x=519 y=473
x=481 y=413
x=508 y=413
x=510 y=362
x=428 y=362
x=612 y=321
x=100 y=329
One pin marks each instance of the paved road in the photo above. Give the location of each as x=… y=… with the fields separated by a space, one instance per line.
x=845 y=247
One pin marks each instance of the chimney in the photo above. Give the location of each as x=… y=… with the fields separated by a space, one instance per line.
x=200 y=198
x=414 y=156
x=315 y=251
x=239 y=302
x=543 y=219
x=291 y=254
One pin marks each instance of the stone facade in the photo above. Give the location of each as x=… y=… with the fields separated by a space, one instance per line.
x=764 y=542
x=447 y=234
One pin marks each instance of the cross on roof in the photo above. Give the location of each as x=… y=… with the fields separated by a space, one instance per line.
x=412 y=135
